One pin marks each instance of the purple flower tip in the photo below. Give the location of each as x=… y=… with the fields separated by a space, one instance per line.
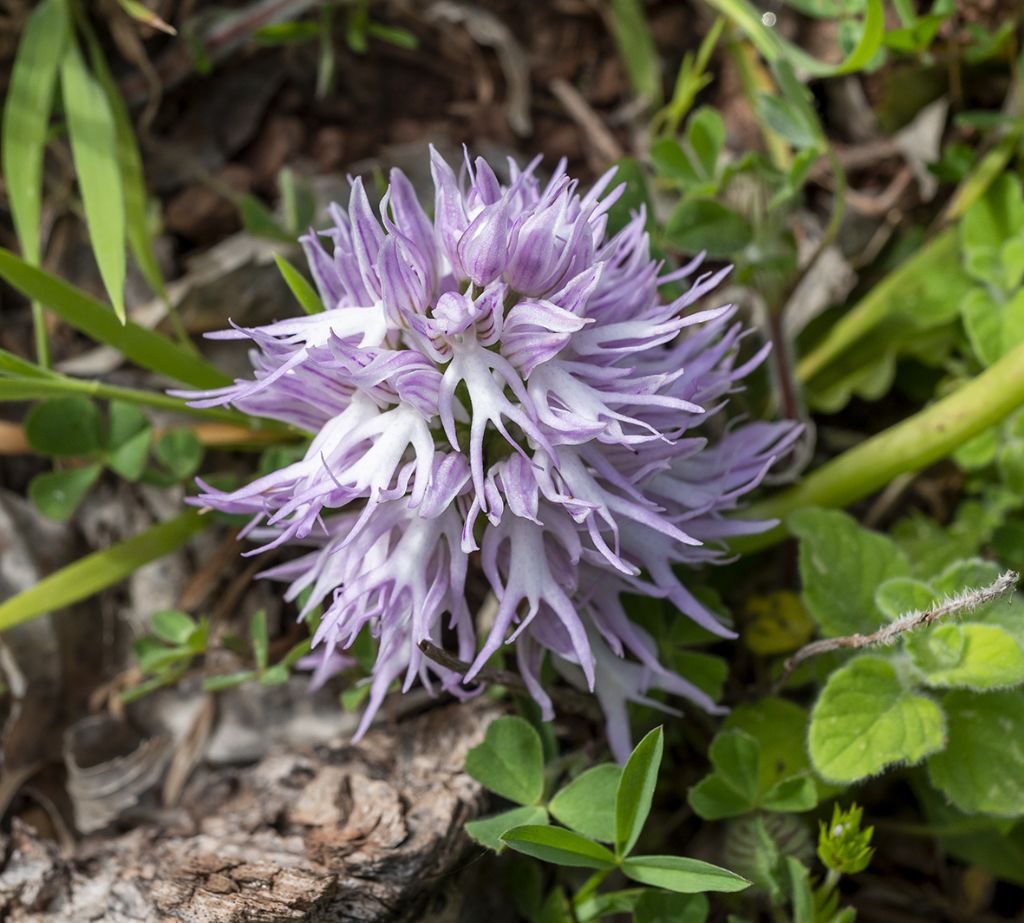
x=502 y=381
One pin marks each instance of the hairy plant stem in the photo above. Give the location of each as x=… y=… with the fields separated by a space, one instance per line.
x=887 y=634
x=917 y=442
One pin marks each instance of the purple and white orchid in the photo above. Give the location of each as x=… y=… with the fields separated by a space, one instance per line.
x=499 y=392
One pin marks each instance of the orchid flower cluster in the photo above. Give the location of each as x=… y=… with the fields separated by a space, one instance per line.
x=499 y=398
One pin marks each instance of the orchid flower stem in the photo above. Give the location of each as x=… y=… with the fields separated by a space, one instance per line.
x=912 y=445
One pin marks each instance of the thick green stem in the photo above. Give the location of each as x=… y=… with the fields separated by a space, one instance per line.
x=917 y=442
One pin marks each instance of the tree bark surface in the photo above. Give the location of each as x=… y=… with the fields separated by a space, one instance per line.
x=367 y=833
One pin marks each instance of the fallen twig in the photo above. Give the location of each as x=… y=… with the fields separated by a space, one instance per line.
x=955 y=605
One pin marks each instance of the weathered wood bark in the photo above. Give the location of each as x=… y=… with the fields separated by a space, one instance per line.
x=340 y=833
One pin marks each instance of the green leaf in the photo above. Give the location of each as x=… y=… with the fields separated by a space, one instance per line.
x=973 y=656
x=636 y=790
x=666 y=907
x=94 y=149
x=792 y=796
x=489 y=830
x=786 y=120
x=636 y=47
x=671 y=162
x=173 y=626
x=840 y=566
x=136 y=201
x=144 y=347
x=99 y=570
x=704 y=224
x=26 y=117
x=228 y=680
x=992 y=221
x=57 y=494
x=982 y=769
x=304 y=293
x=126 y=446
x=865 y=720
x=800 y=891
x=684 y=876
x=155 y=657
x=983 y=321
x=559 y=846
x=732 y=788
x=780 y=728
x=180 y=451
x=587 y=803
x=509 y=761
x=903 y=595
x=64 y=426
x=260 y=221
x=705 y=132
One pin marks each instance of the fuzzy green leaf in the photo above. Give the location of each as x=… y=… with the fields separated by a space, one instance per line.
x=840 y=566
x=865 y=720
x=982 y=769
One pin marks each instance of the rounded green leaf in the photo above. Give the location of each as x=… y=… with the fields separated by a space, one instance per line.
x=509 y=761
x=64 y=426
x=636 y=790
x=982 y=768
x=587 y=803
x=58 y=493
x=704 y=224
x=180 y=452
x=866 y=720
x=173 y=626
x=559 y=846
x=684 y=876
x=974 y=656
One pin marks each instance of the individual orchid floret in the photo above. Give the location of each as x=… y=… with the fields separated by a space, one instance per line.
x=506 y=415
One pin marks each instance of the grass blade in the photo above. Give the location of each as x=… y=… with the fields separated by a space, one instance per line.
x=100 y=570
x=94 y=150
x=23 y=134
x=144 y=347
x=304 y=293
x=140 y=241
x=26 y=117
x=636 y=48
